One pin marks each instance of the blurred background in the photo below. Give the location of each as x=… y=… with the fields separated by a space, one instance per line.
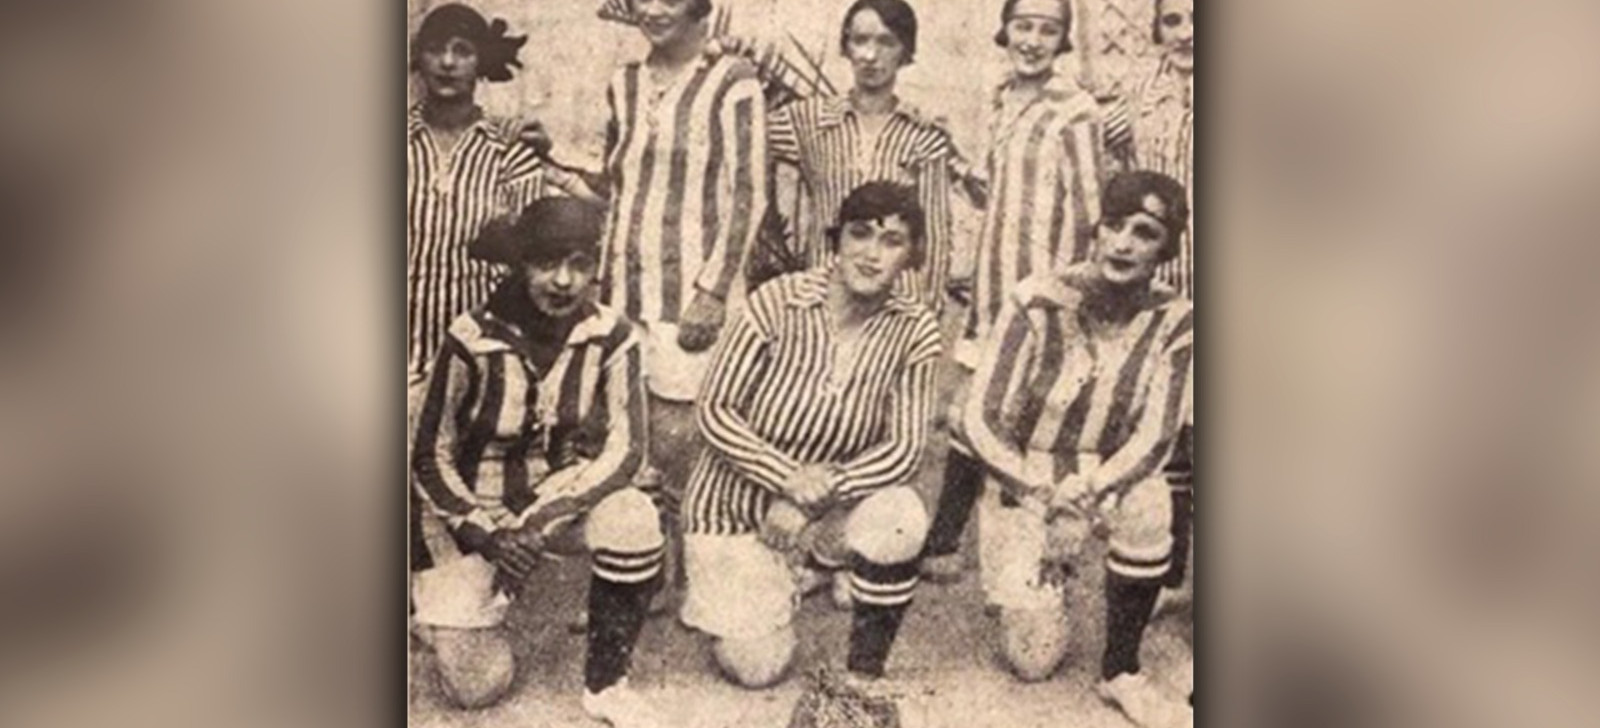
x=202 y=317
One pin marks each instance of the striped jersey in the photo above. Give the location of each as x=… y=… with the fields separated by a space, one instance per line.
x=1043 y=171
x=822 y=137
x=1160 y=137
x=449 y=197
x=784 y=391
x=502 y=442
x=688 y=170
x=1058 y=390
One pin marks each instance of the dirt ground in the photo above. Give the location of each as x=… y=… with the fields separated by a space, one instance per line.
x=944 y=661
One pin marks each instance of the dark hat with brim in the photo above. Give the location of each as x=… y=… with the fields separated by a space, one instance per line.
x=550 y=229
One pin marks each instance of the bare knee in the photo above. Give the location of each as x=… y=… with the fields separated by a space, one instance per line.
x=758 y=662
x=1033 y=642
x=475 y=666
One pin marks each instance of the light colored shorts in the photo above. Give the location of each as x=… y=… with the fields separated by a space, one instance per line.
x=1013 y=542
x=738 y=587
x=458 y=591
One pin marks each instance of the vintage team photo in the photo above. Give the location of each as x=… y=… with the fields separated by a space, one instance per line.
x=800 y=363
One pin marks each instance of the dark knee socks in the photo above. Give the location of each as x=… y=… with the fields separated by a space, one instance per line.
x=1180 y=477
x=1129 y=602
x=882 y=594
x=616 y=616
x=963 y=480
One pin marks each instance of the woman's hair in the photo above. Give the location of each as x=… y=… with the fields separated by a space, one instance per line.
x=697 y=11
x=1003 y=39
x=497 y=52
x=879 y=200
x=896 y=15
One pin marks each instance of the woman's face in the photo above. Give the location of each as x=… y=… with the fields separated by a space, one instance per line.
x=1034 y=31
x=875 y=52
x=664 y=22
x=1128 y=250
x=872 y=253
x=1175 y=30
x=559 y=288
x=450 y=69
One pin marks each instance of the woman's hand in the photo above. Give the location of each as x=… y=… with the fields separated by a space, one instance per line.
x=810 y=485
x=782 y=526
x=701 y=322
x=534 y=134
x=506 y=550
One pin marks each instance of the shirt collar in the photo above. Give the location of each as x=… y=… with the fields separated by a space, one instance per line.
x=811 y=290
x=1059 y=87
x=484 y=125
x=836 y=108
x=492 y=332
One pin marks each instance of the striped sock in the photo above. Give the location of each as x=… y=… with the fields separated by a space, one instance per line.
x=882 y=594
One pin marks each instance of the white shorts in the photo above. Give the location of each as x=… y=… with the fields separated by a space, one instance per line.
x=458 y=591
x=738 y=587
x=1012 y=544
x=670 y=372
x=1011 y=548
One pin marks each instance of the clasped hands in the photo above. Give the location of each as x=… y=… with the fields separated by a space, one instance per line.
x=1073 y=510
x=517 y=549
x=806 y=491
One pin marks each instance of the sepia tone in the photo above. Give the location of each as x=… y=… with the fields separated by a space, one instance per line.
x=946 y=666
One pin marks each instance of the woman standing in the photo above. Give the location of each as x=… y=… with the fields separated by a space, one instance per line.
x=686 y=175
x=1044 y=189
x=462 y=170
x=838 y=143
x=1159 y=131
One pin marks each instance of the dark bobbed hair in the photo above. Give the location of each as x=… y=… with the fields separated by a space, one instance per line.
x=497 y=51
x=1003 y=39
x=1123 y=195
x=876 y=201
x=897 y=15
x=698 y=11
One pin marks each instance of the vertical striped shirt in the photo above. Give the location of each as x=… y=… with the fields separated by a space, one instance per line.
x=1057 y=394
x=449 y=197
x=823 y=139
x=784 y=391
x=501 y=443
x=1160 y=137
x=1044 y=175
x=688 y=169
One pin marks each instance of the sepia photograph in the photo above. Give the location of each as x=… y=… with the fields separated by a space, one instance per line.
x=807 y=363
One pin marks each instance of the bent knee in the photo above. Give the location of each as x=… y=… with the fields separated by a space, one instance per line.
x=888 y=527
x=1033 y=642
x=625 y=521
x=1141 y=536
x=475 y=666
x=758 y=662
